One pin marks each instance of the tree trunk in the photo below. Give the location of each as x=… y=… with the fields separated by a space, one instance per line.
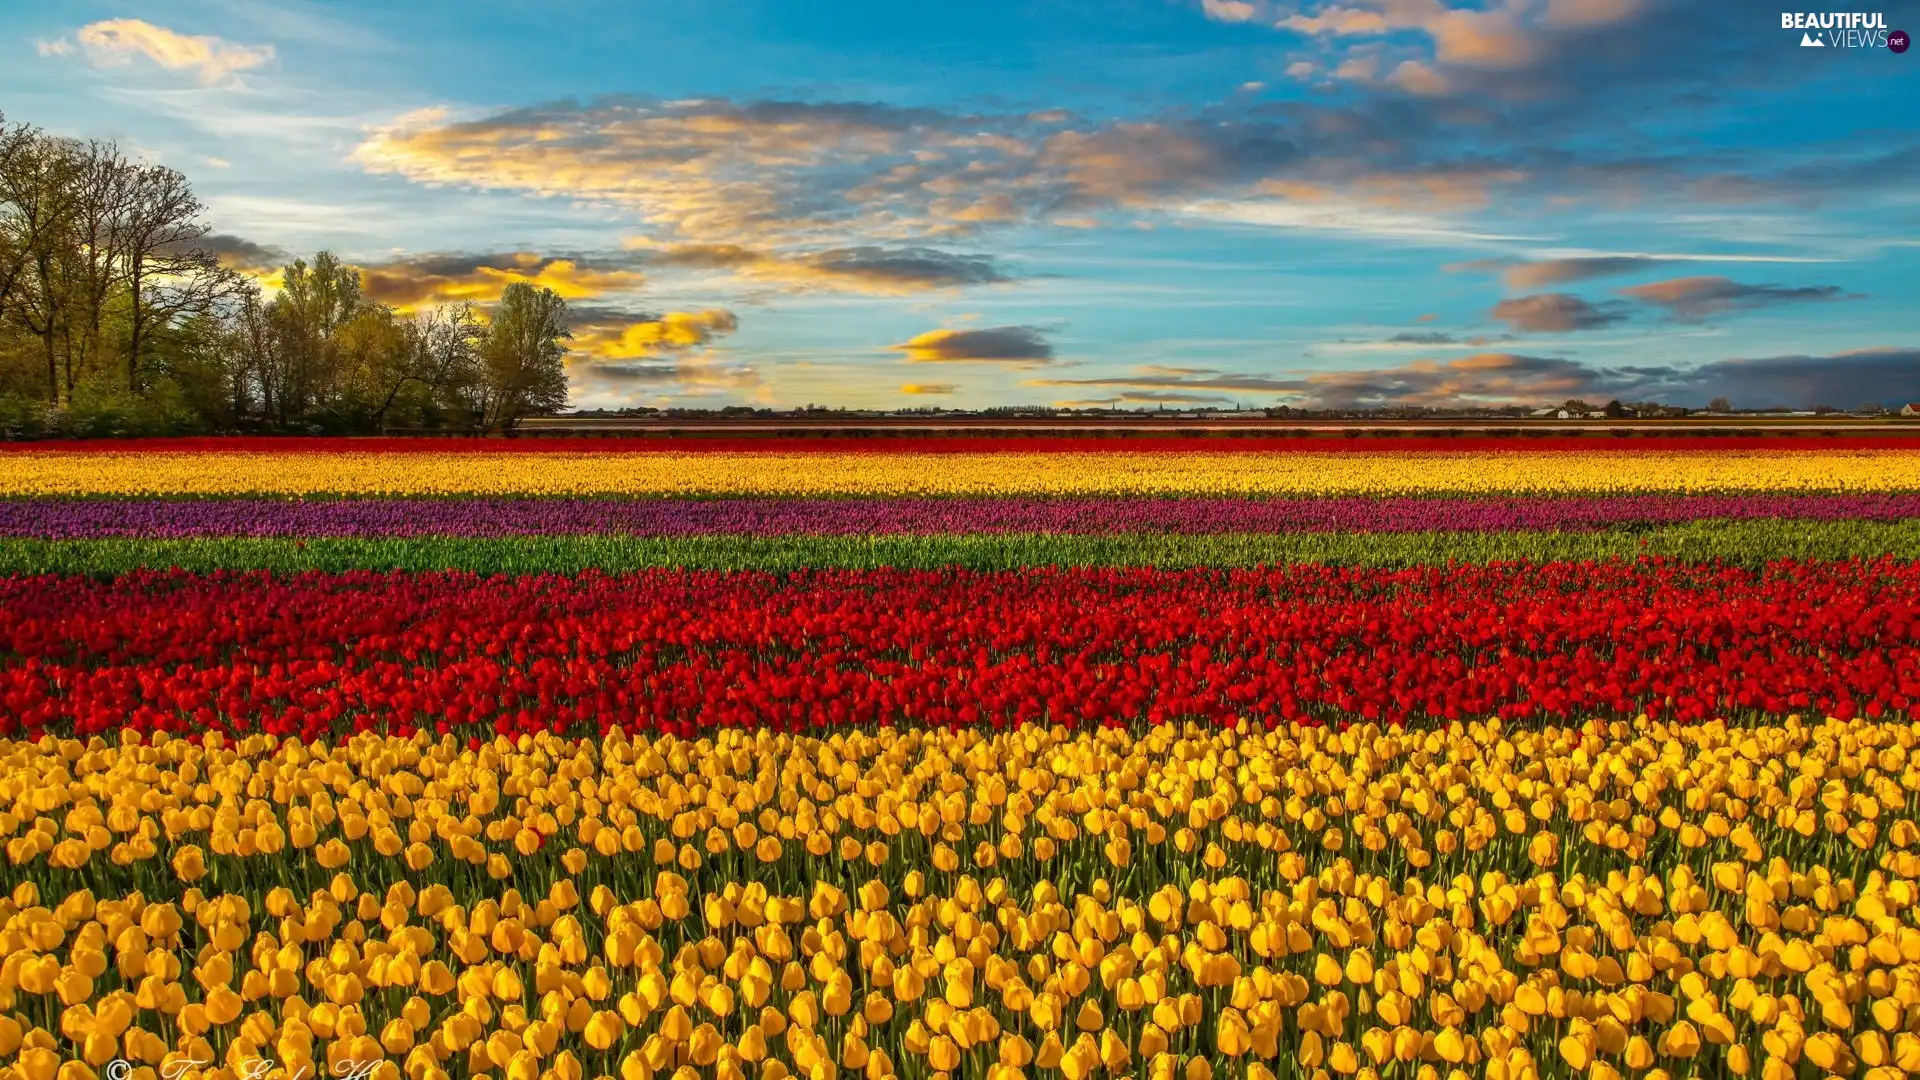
x=137 y=327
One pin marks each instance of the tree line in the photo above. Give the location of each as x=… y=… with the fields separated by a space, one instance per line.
x=118 y=318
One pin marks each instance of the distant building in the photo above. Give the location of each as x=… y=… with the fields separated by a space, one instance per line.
x=1911 y=408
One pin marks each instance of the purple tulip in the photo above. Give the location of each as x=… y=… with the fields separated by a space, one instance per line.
x=54 y=519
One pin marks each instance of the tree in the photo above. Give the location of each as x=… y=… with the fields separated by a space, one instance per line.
x=167 y=273
x=314 y=303
x=1720 y=404
x=389 y=356
x=446 y=365
x=523 y=356
x=37 y=190
x=117 y=317
x=92 y=256
x=1615 y=410
x=18 y=145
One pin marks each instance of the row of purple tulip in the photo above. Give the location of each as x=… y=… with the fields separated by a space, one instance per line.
x=161 y=519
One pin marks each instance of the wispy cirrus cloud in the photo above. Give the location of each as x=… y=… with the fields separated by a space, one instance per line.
x=869 y=269
x=1143 y=397
x=1182 y=380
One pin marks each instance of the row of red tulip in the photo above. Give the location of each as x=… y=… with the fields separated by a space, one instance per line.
x=685 y=649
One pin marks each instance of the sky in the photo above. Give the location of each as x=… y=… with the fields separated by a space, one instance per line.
x=1150 y=203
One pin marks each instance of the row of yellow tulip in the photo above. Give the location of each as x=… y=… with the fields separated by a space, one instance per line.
x=164 y=473
x=1625 y=899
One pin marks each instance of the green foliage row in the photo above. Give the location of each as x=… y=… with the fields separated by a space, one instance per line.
x=1737 y=542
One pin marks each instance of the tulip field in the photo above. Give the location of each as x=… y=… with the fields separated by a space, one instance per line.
x=1432 y=758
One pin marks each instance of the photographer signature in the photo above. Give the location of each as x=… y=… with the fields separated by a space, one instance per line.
x=175 y=1067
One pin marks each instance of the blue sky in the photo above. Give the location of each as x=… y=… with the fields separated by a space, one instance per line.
x=1258 y=202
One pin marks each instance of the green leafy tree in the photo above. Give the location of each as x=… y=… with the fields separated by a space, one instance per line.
x=523 y=357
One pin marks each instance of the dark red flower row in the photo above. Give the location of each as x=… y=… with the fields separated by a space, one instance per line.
x=457 y=652
x=914 y=443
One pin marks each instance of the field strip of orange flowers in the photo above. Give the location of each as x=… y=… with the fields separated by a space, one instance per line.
x=1001 y=759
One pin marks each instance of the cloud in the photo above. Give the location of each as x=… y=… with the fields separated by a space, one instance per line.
x=115 y=42
x=1414 y=341
x=1482 y=379
x=1492 y=379
x=1539 y=85
x=868 y=269
x=1885 y=376
x=1516 y=274
x=794 y=189
x=417 y=281
x=619 y=357
x=1534 y=275
x=1584 y=13
x=1362 y=211
x=1154 y=378
x=706 y=170
x=610 y=336
x=1498 y=36
x=1514 y=49
x=1229 y=10
x=994 y=344
x=1556 y=313
x=1701 y=297
x=236 y=253
x=1143 y=397
x=1135 y=163
x=928 y=388
x=823 y=194
x=905 y=269
x=1165 y=369
x=694 y=375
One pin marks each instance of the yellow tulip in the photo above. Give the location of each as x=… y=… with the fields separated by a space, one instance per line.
x=943 y=1053
x=1681 y=1040
x=603 y=1029
x=189 y=863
